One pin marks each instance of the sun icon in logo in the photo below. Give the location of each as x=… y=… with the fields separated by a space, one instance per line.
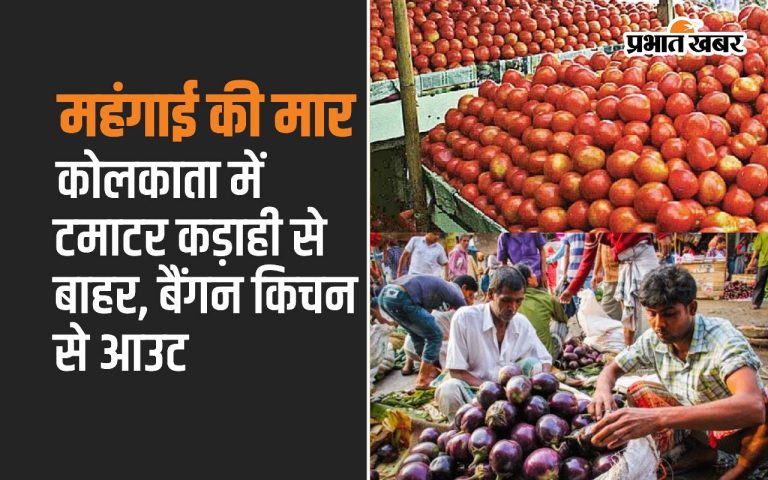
x=684 y=25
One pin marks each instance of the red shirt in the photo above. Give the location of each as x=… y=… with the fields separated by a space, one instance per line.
x=618 y=243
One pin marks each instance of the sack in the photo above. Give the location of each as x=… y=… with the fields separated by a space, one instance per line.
x=379 y=348
x=602 y=333
x=638 y=461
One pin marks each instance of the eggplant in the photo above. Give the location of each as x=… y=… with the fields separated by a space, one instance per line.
x=575 y=468
x=386 y=453
x=542 y=464
x=544 y=384
x=473 y=418
x=569 y=357
x=427 y=448
x=501 y=416
x=488 y=393
x=568 y=348
x=442 y=440
x=508 y=371
x=518 y=389
x=416 y=457
x=583 y=404
x=525 y=436
x=460 y=414
x=480 y=443
x=580 y=421
x=506 y=456
x=619 y=399
x=563 y=404
x=458 y=448
x=429 y=434
x=603 y=463
x=443 y=468
x=414 y=471
x=374 y=475
x=584 y=361
x=573 y=365
x=551 y=430
x=580 y=351
x=535 y=408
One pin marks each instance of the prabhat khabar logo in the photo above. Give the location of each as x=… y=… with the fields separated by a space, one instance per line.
x=682 y=36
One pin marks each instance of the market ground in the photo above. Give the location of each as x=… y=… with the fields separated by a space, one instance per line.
x=738 y=312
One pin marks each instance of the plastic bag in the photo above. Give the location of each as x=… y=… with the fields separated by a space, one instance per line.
x=602 y=333
x=638 y=461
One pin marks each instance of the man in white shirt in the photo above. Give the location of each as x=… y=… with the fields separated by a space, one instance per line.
x=486 y=337
x=426 y=255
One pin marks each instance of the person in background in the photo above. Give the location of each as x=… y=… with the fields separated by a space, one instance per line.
x=523 y=247
x=719 y=250
x=491 y=265
x=742 y=256
x=426 y=257
x=409 y=300
x=666 y=252
x=458 y=261
x=607 y=273
x=689 y=252
x=759 y=260
x=468 y=287
x=545 y=313
x=488 y=336
x=636 y=257
x=710 y=402
x=573 y=249
x=391 y=259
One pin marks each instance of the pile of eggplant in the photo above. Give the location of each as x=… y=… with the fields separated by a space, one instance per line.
x=737 y=291
x=577 y=355
x=518 y=427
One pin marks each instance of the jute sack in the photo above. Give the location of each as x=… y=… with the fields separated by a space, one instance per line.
x=638 y=461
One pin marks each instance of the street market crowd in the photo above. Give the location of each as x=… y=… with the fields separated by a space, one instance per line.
x=470 y=312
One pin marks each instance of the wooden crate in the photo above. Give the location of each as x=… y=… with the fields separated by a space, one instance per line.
x=710 y=277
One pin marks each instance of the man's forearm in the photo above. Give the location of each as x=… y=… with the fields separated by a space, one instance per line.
x=472 y=380
x=607 y=379
x=738 y=411
x=401 y=263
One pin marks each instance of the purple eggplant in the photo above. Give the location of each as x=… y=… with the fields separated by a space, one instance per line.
x=429 y=434
x=508 y=371
x=414 y=471
x=525 y=436
x=603 y=463
x=569 y=357
x=535 y=408
x=580 y=421
x=473 y=418
x=542 y=464
x=619 y=399
x=427 y=448
x=480 y=443
x=563 y=404
x=544 y=384
x=386 y=453
x=416 y=457
x=583 y=404
x=458 y=448
x=460 y=414
x=580 y=351
x=488 y=393
x=575 y=468
x=584 y=361
x=506 y=456
x=443 y=468
x=551 y=430
x=568 y=348
x=573 y=365
x=501 y=416
x=518 y=389
x=442 y=440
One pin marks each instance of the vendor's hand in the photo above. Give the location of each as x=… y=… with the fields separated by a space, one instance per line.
x=566 y=297
x=735 y=473
x=602 y=403
x=597 y=278
x=621 y=426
